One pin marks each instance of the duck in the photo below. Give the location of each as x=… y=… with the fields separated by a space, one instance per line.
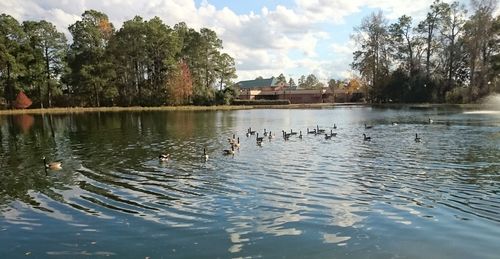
x=417 y=138
x=205 y=155
x=164 y=157
x=394 y=124
x=431 y=121
x=365 y=138
x=229 y=151
x=368 y=126
x=52 y=165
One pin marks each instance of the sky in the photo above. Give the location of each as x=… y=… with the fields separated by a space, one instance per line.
x=266 y=38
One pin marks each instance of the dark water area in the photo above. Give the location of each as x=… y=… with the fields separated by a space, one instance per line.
x=390 y=197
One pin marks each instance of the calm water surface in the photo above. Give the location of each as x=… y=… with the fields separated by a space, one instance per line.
x=309 y=198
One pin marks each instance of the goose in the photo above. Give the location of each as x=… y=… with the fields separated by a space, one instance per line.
x=229 y=151
x=318 y=130
x=265 y=133
x=52 y=165
x=328 y=136
x=368 y=126
x=164 y=157
x=232 y=140
x=205 y=155
x=259 y=139
x=333 y=134
x=417 y=138
x=286 y=136
x=365 y=138
x=292 y=132
x=237 y=143
x=300 y=135
x=252 y=132
x=248 y=134
x=334 y=126
x=311 y=132
x=270 y=135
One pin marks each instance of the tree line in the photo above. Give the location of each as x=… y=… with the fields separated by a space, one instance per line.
x=145 y=62
x=449 y=56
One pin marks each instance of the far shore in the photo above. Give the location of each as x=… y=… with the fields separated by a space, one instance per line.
x=219 y=108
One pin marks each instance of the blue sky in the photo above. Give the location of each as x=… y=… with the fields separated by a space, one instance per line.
x=266 y=38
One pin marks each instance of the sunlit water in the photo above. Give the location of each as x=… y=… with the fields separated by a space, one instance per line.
x=310 y=198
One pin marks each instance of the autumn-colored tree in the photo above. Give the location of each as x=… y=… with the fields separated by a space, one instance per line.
x=180 y=85
x=22 y=101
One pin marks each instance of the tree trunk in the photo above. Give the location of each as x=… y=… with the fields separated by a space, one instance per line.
x=47 y=68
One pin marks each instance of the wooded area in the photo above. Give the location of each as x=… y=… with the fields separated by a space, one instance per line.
x=145 y=63
x=449 y=56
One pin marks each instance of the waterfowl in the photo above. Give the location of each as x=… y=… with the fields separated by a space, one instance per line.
x=265 y=133
x=164 y=157
x=292 y=132
x=417 y=138
x=318 y=130
x=270 y=135
x=430 y=121
x=334 y=126
x=205 y=155
x=232 y=140
x=259 y=139
x=394 y=124
x=248 y=134
x=328 y=136
x=237 y=144
x=333 y=134
x=365 y=138
x=311 y=132
x=368 y=126
x=229 y=151
x=286 y=136
x=52 y=165
x=300 y=135
x=252 y=132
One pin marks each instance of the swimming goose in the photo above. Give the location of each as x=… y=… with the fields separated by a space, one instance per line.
x=286 y=136
x=229 y=151
x=328 y=136
x=265 y=133
x=292 y=132
x=164 y=157
x=417 y=138
x=430 y=121
x=318 y=130
x=252 y=132
x=205 y=155
x=365 y=138
x=334 y=126
x=300 y=135
x=311 y=132
x=333 y=134
x=259 y=139
x=52 y=165
x=368 y=126
x=270 y=135
x=237 y=143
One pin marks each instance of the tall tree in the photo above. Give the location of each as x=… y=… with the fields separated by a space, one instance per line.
x=90 y=73
x=372 y=60
x=225 y=69
x=281 y=78
x=12 y=42
x=482 y=44
x=50 y=47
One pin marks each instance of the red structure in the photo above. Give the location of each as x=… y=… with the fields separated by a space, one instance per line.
x=22 y=101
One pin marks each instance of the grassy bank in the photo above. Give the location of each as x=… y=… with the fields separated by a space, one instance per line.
x=121 y=109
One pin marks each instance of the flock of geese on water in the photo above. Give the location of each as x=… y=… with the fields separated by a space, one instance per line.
x=235 y=142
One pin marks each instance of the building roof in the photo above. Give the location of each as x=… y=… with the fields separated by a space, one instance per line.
x=258 y=83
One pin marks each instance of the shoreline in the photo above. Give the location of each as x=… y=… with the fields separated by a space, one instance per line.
x=69 y=110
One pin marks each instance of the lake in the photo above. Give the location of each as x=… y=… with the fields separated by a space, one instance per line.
x=390 y=197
